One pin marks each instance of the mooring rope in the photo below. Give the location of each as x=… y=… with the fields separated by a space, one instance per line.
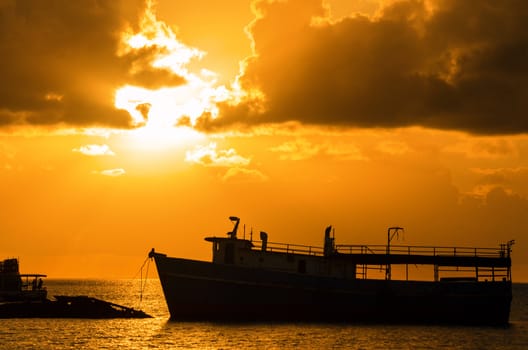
x=142 y=283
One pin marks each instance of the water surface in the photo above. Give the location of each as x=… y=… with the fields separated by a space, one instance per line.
x=159 y=333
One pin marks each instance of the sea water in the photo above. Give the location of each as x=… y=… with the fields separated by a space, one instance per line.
x=160 y=333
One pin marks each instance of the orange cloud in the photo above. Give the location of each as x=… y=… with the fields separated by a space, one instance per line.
x=64 y=60
x=111 y=172
x=302 y=149
x=210 y=156
x=244 y=175
x=95 y=150
x=62 y=49
x=445 y=64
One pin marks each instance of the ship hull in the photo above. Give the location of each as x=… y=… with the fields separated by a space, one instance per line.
x=197 y=290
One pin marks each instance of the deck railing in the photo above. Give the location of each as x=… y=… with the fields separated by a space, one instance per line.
x=423 y=250
x=382 y=250
x=290 y=248
x=452 y=272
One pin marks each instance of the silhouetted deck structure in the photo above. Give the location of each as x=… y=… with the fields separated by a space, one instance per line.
x=487 y=263
x=24 y=296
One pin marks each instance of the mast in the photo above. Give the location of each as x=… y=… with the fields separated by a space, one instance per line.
x=391 y=232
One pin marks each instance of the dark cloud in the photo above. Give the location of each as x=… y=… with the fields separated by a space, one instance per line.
x=144 y=109
x=459 y=65
x=60 y=62
x=184 y=121
x=155 y=78
x=142 y=73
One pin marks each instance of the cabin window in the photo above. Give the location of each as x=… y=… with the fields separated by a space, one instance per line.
x=216 y=249
x=229 y=257
x=301 y=267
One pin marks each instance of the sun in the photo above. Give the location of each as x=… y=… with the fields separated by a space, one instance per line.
x=165 y=116
x=153 y=138
x=158 y=121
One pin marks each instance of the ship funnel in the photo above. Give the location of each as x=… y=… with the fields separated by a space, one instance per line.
x=264 y=238
x=236 y=220
x=328 y=230
x=329 y=247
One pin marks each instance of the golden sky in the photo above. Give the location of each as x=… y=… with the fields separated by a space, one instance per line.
x=127 y=125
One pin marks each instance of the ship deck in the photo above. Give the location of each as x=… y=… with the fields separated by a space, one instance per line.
x=484 y=263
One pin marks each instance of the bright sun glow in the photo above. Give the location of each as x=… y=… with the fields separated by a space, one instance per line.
x=155 y=138
x=157 y=113
x=166 y=107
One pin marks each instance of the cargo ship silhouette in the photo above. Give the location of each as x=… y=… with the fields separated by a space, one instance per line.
x=251 y=280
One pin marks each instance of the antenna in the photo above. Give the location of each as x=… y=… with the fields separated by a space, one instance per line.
x=391 y=232
x=236 y=220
